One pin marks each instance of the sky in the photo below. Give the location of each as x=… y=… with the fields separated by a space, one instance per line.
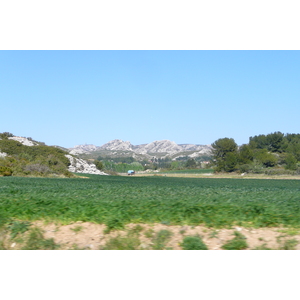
x=69 y=98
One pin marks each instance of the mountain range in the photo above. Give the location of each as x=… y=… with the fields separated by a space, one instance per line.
x=158 y=149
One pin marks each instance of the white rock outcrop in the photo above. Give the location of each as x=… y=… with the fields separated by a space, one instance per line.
x=3 y=154
x=80 y=149
x=78 y=165
x=22 y=140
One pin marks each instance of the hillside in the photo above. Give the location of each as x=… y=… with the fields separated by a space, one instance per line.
x=20 y=156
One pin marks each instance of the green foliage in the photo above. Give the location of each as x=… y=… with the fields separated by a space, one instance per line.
x=122 y=167
x=266 y=158
x=262 y=247
x=36 y=241
x=99 y=165
x=122 y=243
x=77 y=228
x=223 y=146
x=291 y=162
x=246 y=155
x=149 y=233
x=5 y=135
x=213 y=234
x=5 y=171
x=119 y=200
x=191 y=164
x=290 y=231
x=18 y=227
x=289 y=244
x=273 y=142
x=38 y=160
x=193 y=243
x=225 y=154
x=114 y=223
x=160 y=239
x=237 y=243
x=136 y=229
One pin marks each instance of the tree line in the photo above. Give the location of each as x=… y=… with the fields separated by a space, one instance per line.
x=263 y=152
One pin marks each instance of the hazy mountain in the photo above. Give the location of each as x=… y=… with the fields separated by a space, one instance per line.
x=157 y=149
x=117 y=145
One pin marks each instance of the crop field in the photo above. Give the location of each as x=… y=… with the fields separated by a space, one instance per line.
x=117 y=201
x=189 y=171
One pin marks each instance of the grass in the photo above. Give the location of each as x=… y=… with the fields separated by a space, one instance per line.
x=18 y=227
x=160 y=239
x=136 y=229
x=77 y=228
x=290 y=231
x=193 y=243
x=289 y=244
x=262 y=247
x=187 y=171
x=117 y=201
x=149 y=233
x=213 y=234
x=237 y=243
x=36 y=241
x=129 y=242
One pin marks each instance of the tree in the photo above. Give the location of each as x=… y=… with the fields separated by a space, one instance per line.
x=291 y=162
x=223 y=160
x=191 y=164
x=230 y=162
x=245 y=154
x=99 y=165
x=266 y=158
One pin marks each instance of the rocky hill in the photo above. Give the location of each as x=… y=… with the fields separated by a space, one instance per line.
x=22 y=156
x=158 y=149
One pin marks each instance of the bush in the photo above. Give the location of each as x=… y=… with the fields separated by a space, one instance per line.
x=289 y=245
x=5 y=171
x=244 y=168
x=18 y=227
x=122 y=243
x=193 y=243
x=37 y=168
x=99 y=165
x=36 y=241
x=161 y=239
x=237 y=243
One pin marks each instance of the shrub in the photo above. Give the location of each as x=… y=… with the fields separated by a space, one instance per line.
x=193 y=243
x=237 y=243
x=5 y=171
x=289 y=245
x=17 y=227
x=161 y=238
x=122 y=243
x=36 y=241
x=262 y=247
x=37 y=168
x=113 y=223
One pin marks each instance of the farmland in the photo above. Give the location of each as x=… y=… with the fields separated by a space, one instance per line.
x=118 y=212
x=116 y=201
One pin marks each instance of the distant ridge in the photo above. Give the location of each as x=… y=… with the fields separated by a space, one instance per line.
x=160 y=148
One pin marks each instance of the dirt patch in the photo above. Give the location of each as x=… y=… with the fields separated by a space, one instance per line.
x=91 y=236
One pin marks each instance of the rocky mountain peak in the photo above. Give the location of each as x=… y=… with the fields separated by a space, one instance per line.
x=117 y=145
x=80 y=149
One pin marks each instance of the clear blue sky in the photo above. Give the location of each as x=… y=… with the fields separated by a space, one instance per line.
x=69 y=98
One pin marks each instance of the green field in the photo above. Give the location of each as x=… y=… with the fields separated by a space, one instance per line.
x=188 y=171
x=116 y=200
